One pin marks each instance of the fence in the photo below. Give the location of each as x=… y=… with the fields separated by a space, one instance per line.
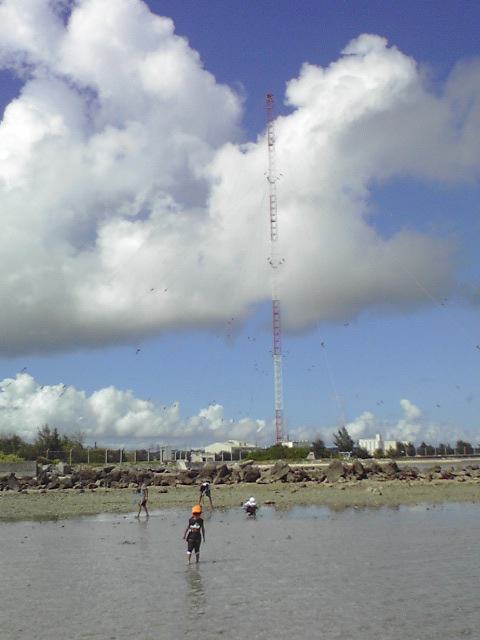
x=92 y=455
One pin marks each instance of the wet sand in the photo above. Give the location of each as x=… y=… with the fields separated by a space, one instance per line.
x=62 y=504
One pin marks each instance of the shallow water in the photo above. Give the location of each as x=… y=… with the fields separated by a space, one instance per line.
x=405 y=573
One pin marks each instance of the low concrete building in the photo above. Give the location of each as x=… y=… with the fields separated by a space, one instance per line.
x=234 y=448
x=201 y=456
x=291 y=444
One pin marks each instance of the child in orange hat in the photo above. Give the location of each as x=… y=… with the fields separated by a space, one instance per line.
x=194 y=532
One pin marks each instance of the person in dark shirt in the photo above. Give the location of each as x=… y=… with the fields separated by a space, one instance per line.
x=205 y=491
x=194 y=533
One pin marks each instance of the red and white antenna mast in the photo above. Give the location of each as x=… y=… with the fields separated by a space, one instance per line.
x=274 y=263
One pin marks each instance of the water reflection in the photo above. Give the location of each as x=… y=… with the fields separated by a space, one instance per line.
x=195 y=596
x=349 y=575
x=195 y=601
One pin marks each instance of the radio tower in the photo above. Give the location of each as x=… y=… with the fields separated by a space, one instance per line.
x=274 y=263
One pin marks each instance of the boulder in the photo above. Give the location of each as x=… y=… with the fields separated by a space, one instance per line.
x=300 y=475
x=318 y=475
x=358 y=470
x=208 y=470
x=64 y=469
x=222 y=475
x=168 y=480
x=251 y=474
x=12 y=483
x=114 y=475
x=410 y=473
x=335 y=471
x=66 y=482
x=391 y=470
x=374 y=469
x=278 y=472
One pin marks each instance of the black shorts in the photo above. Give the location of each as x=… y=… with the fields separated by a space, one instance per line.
x=194 y=543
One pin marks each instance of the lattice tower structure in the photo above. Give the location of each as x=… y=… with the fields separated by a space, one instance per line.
x=275 y=264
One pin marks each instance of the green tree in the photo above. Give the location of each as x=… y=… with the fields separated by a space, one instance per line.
x=392 y=452
x=319 y=449
x=422 y=449
x=10 y=444
x=279 y=452
x=463 y=448
x=343 y=441
x=48 y=440
x=360 y=452
x=410 y=449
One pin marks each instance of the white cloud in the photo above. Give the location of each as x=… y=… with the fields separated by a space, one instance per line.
x=361 y=426
x=114 y=418
x=130 y=208
x=131 y=204
x=409 y=427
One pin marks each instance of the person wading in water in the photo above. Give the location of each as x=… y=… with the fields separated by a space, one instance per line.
x=194 y=533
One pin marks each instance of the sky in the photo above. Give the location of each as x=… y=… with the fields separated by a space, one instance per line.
x=135 y=246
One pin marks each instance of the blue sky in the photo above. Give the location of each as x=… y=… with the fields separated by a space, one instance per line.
x=136 y=289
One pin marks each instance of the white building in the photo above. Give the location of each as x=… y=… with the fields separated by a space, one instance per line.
x=371 y=445
x=232 y=447
x=391 y=444
x=201 y=456
x=291 y=444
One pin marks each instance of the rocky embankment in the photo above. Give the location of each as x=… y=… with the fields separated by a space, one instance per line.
x=82 y=478
x=59 y=492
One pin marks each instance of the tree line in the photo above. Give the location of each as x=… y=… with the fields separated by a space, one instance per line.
x=13 y=447
x=49 y=444
x=345 y=444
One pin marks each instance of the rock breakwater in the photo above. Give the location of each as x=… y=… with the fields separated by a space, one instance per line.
x=82 y=478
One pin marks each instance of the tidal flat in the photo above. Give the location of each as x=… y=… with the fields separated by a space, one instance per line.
x=62 y=504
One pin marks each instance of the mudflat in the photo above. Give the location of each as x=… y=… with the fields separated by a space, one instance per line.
x=70 y=503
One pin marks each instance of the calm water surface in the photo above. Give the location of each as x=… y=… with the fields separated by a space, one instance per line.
x=409 y=573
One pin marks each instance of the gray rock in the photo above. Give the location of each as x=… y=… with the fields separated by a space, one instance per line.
x=335 y=471
x=12 y=483
x=391 y=470
x=208 y=470
x=358 y=470
x=251 y=474
x=66 y=482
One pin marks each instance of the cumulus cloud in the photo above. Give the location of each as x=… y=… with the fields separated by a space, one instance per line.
x=362 y=425
x=131 y=205
x=411 y=426
x=115 y=418
x=408 y=427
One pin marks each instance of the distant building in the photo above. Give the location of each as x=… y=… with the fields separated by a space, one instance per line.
x=296 y=443
x=234 y=448
x=391 y=444
x=371 y=445
x=201 y=456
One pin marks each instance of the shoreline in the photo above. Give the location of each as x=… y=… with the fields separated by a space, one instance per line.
x=61 y=504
